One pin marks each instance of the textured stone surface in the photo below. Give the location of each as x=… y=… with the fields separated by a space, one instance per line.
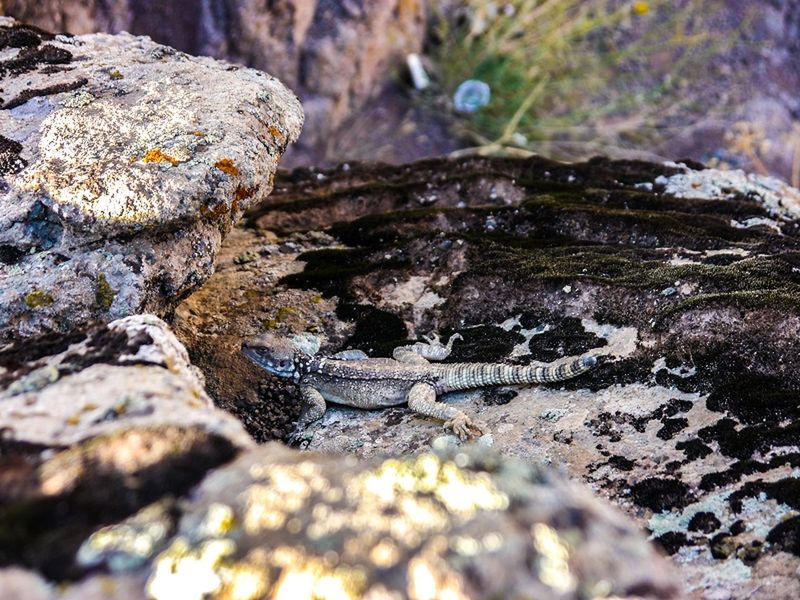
x=124 y=163
x=18 y=584
x=56 y=391
x=95 y=425
x=278 y=523
x=692 y=299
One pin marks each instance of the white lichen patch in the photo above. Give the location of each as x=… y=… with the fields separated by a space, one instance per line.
x=777 y=196
x=756 y=222
x=621 y=341
x=682 y=371
x=523 y=347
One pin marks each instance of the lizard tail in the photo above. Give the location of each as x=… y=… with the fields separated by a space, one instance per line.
x=472 y=375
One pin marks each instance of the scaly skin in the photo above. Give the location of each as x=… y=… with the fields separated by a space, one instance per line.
x=353 y=379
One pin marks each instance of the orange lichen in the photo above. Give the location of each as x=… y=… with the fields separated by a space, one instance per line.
x=227 y=166
x=276 y=133
x=215 y=213
x=156 y=155
x=242 y=193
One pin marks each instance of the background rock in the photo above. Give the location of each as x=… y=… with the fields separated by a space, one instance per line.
x=335 y=55
x=124 y=163
x=684 y=281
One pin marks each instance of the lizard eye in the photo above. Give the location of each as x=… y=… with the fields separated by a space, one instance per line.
x=285 y=363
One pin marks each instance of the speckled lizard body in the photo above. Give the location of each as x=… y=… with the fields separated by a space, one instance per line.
x=353 y=379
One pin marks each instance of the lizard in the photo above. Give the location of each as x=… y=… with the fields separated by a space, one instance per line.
x=353 y=379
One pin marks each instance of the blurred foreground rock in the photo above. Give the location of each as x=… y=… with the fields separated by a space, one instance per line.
x=684 y=280
x=93 y=426
x=123 y=165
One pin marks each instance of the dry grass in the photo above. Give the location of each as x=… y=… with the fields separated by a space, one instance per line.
x=574 y=78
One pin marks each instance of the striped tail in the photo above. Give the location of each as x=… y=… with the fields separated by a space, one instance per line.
x=461 y=376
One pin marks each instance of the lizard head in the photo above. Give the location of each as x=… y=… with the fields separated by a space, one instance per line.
x=284 y=357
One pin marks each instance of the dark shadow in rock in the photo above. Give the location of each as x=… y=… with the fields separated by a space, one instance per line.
x=104 y=480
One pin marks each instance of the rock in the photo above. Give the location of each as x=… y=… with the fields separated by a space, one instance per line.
x=94 y=426
x=689 y=422
x=278 y=523
x=56 y=391
x=124 y=163
x=335 y=55
x=18 y=584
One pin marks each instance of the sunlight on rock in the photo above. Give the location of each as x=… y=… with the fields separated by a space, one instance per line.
x=190 y=573
x=554 y=559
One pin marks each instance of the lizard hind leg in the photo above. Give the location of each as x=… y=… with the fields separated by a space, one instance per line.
x=422 y=400
x=431 y=349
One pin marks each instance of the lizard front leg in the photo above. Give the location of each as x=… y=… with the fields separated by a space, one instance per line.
x=422 y=400
x=431 y=349
x=313 y=409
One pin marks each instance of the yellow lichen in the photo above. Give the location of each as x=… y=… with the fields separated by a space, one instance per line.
x=104 y=294
x=156 y=155
x=227 y=166
x=38 y=298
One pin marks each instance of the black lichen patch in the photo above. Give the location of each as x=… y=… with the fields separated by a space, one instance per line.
x=693 y=449
x=621 y=463
x=672 y=541
x=498 y=396
x=10 y=160
x=32 y=57
x=566 y=337
x=756 y=400
x=20 y=35
x=659 y=494
x=487 y=343
x=611 y=425
x=672 y=427
x=705 y=522
x=786 y=491
x=786 y=536
x=49 y=90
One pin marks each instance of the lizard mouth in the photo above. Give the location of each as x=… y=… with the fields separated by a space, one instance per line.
x=256 y=357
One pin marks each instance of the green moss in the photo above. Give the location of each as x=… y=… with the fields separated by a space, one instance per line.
x=280 y=316
x=104 y=294
x=38 y=298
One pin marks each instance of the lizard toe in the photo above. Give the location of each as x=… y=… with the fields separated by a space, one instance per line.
x=298 y=439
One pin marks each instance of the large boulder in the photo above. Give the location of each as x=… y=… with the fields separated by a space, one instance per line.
x=464 y=524
x=123 y=165
x=683 y=280
x=95 y=425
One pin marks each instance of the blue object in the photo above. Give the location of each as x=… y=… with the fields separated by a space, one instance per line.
x=471 y=95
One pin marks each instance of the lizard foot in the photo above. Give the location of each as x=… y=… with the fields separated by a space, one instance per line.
x=464 y=427
x=299 y=438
